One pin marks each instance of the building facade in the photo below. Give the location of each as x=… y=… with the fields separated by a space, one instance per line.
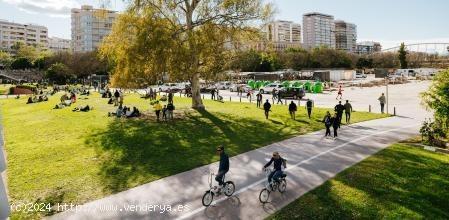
x=318 y=30
x=368 y=47
x=283 y=34
x=90 y=26
x=345 y=36
x=56 y=44
x=30 y=34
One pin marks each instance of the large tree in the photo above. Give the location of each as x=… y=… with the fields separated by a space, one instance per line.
x=185 y=39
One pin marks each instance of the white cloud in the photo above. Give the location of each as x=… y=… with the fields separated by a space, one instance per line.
x=54 y=8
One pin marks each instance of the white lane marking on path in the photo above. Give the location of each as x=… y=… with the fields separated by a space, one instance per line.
x=294 y=166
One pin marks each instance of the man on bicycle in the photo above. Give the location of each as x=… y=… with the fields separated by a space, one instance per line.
x=223 y=167
x=278 y=163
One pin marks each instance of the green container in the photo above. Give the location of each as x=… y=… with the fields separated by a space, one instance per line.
x=286 y=84
x=318 y=87
x=298 y=84
x=308 y=86
x=252 y=84
x=259 y=84
x=265 y=83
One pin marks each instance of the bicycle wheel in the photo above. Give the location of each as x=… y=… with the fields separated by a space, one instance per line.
x=264 y=195
x=229 y=188
x=282 y=186
x=208 y=198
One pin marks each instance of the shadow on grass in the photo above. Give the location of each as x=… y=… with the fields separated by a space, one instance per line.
x=134 y=152
x=396 y=183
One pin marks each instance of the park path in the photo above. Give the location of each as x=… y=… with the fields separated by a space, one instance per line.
x=312 y=160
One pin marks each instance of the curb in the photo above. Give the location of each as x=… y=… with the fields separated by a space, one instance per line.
x=4 y=206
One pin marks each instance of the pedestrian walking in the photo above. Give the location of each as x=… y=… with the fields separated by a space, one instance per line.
x=339 y=108
x=292 y=108
x=335 y=120
x=267 y=108
x=348 y=111
x=309 y=106
x=164 y=113
x=116 y=96
x=170 y=96
x=170 y=109
x=382 y=101
x=212 y=93
x=278 y=94
x=340 y=93
x=157 y=109
x=259 y=99
x=273 y=95
x=327 y=122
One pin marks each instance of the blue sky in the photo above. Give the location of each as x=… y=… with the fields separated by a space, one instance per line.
x=387 y=21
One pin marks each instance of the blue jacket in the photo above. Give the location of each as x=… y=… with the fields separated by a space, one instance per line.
x=224 y=163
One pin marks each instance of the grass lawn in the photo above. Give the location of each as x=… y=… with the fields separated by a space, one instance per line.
x=75 y=157
x=4 y=89
x=400 y=182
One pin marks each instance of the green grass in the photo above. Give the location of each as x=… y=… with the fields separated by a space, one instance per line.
x=4 y=89
x=400 y=182
x=75 y=157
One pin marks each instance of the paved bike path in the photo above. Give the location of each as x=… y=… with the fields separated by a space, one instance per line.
x=312 y=159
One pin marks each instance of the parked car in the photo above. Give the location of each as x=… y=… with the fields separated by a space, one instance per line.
x=270 y=87
x=223 y=85
x=360 y=76
x=166 y=87
x=296 y=93
x=234 y=87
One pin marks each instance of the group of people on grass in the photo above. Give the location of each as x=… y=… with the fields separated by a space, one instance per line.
x=334 y=120
x=292 y=107
x=125 y=112
x=166 y=110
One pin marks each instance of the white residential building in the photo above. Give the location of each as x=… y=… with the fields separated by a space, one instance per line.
x=30 y=34
x=90 y=26
x=57 y=44
x=318 y=30
x=283 y=34
x=345 y=36
x=368 y=47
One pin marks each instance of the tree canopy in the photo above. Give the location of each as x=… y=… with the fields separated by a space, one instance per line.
x=184 y=39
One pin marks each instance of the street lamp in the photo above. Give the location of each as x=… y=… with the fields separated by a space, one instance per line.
x=386 y=85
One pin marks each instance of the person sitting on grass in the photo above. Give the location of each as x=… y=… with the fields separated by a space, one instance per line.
x=83 y=109
x=110 y=102
x=134 y=113
x=117 y=112
x=30 y=100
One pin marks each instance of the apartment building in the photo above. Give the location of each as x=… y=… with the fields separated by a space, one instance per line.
x=283 y=34
x=318 y=30
x=90 y=26
x=345 y=36
x=368 y=47
x=30 y=34
x=57 y=44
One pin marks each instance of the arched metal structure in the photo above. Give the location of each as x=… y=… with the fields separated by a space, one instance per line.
x=430 y=48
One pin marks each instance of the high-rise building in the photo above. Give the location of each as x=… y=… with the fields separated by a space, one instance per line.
x=283 y=34
x=318 y=30
x=30 y=34
x=345 y=36
x=58 y=44
x=367 y=47
x=90 y=26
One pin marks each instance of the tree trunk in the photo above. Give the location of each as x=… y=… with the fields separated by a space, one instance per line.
x=197 y=102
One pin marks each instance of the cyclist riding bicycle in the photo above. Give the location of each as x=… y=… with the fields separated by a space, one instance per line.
x=223 y=167
x=278 y=163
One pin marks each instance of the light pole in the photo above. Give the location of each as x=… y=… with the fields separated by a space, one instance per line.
x=386 y=85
